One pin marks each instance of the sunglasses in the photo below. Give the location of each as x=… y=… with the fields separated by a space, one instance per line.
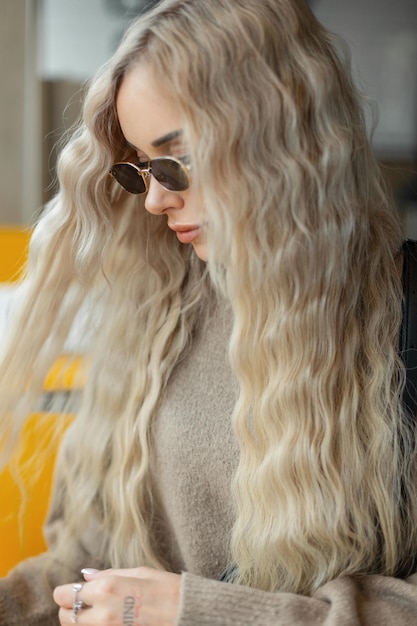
x=171 y=173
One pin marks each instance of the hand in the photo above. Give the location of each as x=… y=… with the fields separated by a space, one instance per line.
x=124 y=597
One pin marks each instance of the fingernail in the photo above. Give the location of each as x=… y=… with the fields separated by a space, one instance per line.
x=89 y=571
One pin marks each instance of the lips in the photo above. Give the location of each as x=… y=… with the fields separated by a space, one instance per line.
x=185 y=233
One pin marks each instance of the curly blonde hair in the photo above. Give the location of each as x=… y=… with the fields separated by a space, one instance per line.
x=326 y=480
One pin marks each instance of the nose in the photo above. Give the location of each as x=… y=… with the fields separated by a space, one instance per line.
x=158 y=200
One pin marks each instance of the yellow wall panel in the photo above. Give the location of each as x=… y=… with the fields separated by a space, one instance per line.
x=24 y=502
x=14 y=244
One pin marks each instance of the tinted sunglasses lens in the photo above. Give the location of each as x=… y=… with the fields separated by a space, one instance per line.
x=169 y=174
x=128 y=177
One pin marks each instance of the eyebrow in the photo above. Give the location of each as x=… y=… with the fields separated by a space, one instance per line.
x=167 y=138
x=174 y=134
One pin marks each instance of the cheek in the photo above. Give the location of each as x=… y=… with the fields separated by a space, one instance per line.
x=196 y=201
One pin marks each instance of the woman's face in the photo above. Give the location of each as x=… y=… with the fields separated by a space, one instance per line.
x=151 y=124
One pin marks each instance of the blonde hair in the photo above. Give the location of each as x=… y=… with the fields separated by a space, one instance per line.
x=325 y=484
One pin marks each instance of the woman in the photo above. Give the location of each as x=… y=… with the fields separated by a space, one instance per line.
x=241 y=453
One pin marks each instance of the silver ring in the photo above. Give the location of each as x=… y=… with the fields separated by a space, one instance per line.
x=77 y=604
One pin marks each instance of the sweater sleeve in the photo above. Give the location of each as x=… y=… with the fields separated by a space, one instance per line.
x=368 y=601
x=26 y=593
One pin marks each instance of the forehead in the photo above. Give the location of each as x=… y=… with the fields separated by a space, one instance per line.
x=145 y=109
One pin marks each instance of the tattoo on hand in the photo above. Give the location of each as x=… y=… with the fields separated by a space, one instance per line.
x=129 y=611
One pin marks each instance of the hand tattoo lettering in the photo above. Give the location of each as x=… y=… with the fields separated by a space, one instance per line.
x=129 y=611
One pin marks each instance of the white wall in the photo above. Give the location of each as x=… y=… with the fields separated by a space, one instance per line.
x=77 y=37
x=382 y=35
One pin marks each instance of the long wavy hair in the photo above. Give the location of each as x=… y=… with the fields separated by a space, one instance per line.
x=325 y=484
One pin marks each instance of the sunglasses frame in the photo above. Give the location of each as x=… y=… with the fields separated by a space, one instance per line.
x=144 y=170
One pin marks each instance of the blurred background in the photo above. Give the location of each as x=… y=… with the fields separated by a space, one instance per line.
x=50 y=48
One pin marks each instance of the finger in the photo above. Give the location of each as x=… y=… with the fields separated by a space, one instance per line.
x=72 y=603
x=90 y=573
x=103 y=590
x=137 y=572
x=64 y=595
x=67 y=617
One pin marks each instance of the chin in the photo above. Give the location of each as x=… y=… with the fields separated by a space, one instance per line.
x=201 y=251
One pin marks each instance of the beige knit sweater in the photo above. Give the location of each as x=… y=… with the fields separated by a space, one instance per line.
x=193 y=461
